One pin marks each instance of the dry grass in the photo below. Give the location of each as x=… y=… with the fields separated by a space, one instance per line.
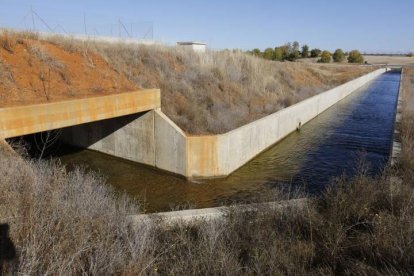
x=68 y=223
x=203 y=93
x=399 y=60
x=41 y=53
x=71 y=223
x=219 y=91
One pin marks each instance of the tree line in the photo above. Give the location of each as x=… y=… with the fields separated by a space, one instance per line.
x=293 y=51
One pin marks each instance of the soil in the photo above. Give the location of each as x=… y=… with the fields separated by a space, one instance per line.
x=35 y=71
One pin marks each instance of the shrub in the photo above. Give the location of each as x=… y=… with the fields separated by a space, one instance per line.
x=279 y=53
x=7 y=41
x=411 y=54
x=305 y=51
x=355 y=57
x=268 y=53
x=325 y=57
x=256 y=52
x=315 y=52
x=338 y=55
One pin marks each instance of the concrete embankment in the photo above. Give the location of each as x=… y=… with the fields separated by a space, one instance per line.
x=152 y=138
x=396 y=144
x=208 y=214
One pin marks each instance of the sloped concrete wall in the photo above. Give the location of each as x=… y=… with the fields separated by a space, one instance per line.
x=170 y=145
x=222 y=154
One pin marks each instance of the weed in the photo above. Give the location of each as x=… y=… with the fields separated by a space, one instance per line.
x=7 y=41
x=41 y=54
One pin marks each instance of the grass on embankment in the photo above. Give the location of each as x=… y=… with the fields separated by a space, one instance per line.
x=203 y=93
x=71 y=223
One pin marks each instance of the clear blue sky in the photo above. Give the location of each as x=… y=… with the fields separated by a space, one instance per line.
x=368 y=25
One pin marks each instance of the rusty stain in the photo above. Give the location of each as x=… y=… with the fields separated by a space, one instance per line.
x=202 y=155
x=28 y=119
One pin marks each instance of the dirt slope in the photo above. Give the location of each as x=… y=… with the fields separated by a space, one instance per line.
x=33 y=71
x=203 y=93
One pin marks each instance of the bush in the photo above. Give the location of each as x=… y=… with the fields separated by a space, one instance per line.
x=325 y=57
x=305 y=51
x=355 y=57
x=256 y=52
x=7 y=41
x=279 y=53
x=411 y=54
x=268 y=53
x=315 y=52
x=338 y=56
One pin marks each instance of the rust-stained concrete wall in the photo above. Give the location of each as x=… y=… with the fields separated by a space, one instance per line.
x=220 y=155
x=29 y=119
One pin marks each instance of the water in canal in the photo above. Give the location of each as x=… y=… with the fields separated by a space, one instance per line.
x=329 y=146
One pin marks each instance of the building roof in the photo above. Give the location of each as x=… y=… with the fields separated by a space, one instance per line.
x=190 y=43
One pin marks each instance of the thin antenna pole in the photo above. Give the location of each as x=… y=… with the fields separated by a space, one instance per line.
x=123 y=26
x=84 y=23
x=43 y=21
x=33 y=21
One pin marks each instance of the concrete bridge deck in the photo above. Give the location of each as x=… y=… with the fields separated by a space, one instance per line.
x=29 y=119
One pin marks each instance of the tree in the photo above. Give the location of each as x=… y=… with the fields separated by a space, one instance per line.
x=338 y=56
x=268 y=54
x=325 y=57
x=355 y=57
x=410 y=54
x=279 y=53
x=315 y=52
x=295 y=46
x=305 y=51
x=256 y=52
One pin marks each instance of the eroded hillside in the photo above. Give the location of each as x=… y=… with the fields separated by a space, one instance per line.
x=203 y=93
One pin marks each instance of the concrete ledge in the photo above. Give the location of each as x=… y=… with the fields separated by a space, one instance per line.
x=29 y=119
x=396 y=144
x=209 y=214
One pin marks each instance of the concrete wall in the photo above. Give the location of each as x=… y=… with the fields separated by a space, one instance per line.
x=153 y=139
x=220 y=155
x=29 y=119
x=130 y=137
x=170 y=145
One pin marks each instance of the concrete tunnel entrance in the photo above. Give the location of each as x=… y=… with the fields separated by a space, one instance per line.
x=108 y=136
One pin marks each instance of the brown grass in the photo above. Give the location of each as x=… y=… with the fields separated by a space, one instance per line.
x=72 y=223
x=68 y=223
x=203 y=93
x=218 y=91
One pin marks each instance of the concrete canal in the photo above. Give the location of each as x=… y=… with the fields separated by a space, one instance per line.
x=330 y=146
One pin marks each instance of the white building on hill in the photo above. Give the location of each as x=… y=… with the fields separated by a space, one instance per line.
x=193 y=45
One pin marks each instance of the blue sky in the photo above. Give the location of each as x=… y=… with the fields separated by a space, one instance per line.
x=368 y=25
